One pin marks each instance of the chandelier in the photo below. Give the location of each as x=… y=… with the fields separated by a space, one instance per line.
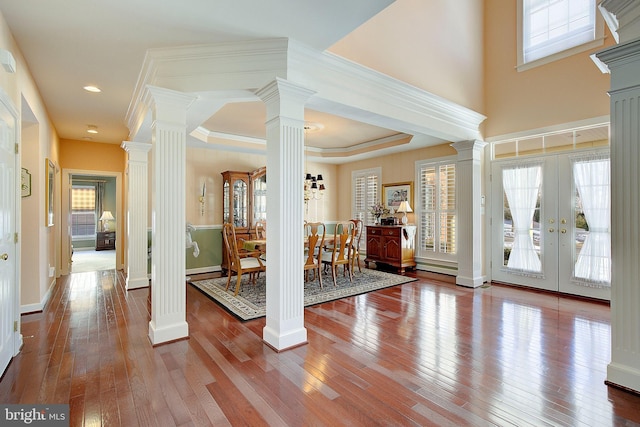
x=313 y=187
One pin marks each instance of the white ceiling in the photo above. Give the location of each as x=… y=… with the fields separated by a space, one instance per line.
x=75 y=43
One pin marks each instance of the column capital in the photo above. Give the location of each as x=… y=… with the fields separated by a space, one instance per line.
x=468 y=150
x=131 y=146
x=284 y=98
x=622 y=18
x=168 y=105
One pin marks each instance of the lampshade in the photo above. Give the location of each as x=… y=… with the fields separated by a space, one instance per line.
x=404 y=207
x=107 y=215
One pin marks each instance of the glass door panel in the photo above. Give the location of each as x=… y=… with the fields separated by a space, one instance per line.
x=541 y=232
x=240 y=207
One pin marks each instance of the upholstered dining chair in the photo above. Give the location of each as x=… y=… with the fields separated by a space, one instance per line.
x=355 y=251
x=240 y=262
x=315 y=233
x=340 y=252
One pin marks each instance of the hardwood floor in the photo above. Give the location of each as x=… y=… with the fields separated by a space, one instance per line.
x=424 y=353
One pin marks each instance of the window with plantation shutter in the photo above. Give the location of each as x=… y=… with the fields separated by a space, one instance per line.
x=436 y=209
x=366 y=192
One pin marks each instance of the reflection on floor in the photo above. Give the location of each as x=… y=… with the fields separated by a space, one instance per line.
x=93 y=261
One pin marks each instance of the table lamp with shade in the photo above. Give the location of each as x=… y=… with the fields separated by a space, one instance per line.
x=105 y=218
x=404 y=208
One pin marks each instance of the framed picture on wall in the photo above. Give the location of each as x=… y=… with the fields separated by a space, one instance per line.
x=393 y=194
x=25 y=185
x=50 y=181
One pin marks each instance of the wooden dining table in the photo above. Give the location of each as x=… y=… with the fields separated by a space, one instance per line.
x=261 y=244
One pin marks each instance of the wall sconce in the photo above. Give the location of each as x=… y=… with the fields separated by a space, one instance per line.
x=201 y=199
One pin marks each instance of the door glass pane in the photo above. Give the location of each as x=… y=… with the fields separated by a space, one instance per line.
x=240 y=208
x=592 y=234
x=521 y=219
x=260 y=198
x=225 y=202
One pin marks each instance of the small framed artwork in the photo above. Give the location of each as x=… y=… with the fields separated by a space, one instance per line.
x=50 y=177
x=25 y=185
x=393 y=194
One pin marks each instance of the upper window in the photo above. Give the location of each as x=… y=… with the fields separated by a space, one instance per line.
x=554 y=29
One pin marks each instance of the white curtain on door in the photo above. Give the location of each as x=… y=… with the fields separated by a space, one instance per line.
x=522 y=186
x=592 y=182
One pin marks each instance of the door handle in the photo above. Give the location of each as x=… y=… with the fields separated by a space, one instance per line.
x=4 y=256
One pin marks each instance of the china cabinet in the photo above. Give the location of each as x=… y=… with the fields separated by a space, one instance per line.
x=244 y=201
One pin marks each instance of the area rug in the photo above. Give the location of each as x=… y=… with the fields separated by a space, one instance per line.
x=250 y=302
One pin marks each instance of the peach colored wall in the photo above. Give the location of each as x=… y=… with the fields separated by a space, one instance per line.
x=398 y=167
x=441 y=39
x=38 y=245
x=87 y=155
x=563 y=91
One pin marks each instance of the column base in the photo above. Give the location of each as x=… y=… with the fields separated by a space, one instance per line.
x=625 y=377
x=470 y=282
x=168 y=333
x=289 y=340
x=137 y=283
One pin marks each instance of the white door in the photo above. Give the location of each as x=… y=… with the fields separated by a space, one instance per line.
x=550 y=223
x=8 y=263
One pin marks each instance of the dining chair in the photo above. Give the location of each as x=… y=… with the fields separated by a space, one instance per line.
x=315 y=233
x=240 y=262
x=355 y=254
x=340 y=252
x=261 y=229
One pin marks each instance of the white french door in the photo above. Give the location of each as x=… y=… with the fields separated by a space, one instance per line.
x=550 y=223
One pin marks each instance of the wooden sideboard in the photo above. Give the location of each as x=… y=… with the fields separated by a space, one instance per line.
x=391 y=245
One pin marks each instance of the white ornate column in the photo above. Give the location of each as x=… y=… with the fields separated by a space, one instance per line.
x=137 y=213
x=168 y=136
x=285 y=213
x=469 y=211
x=623 y=61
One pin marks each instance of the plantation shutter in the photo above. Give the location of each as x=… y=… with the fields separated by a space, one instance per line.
x=437 y=228
x=366 y=192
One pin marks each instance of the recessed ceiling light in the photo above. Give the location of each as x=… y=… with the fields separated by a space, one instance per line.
x=91 y=88
x=92 y=129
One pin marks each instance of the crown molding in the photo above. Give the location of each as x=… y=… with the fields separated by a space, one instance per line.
x=339 y=86
x=623 y=18
x=375 y=98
